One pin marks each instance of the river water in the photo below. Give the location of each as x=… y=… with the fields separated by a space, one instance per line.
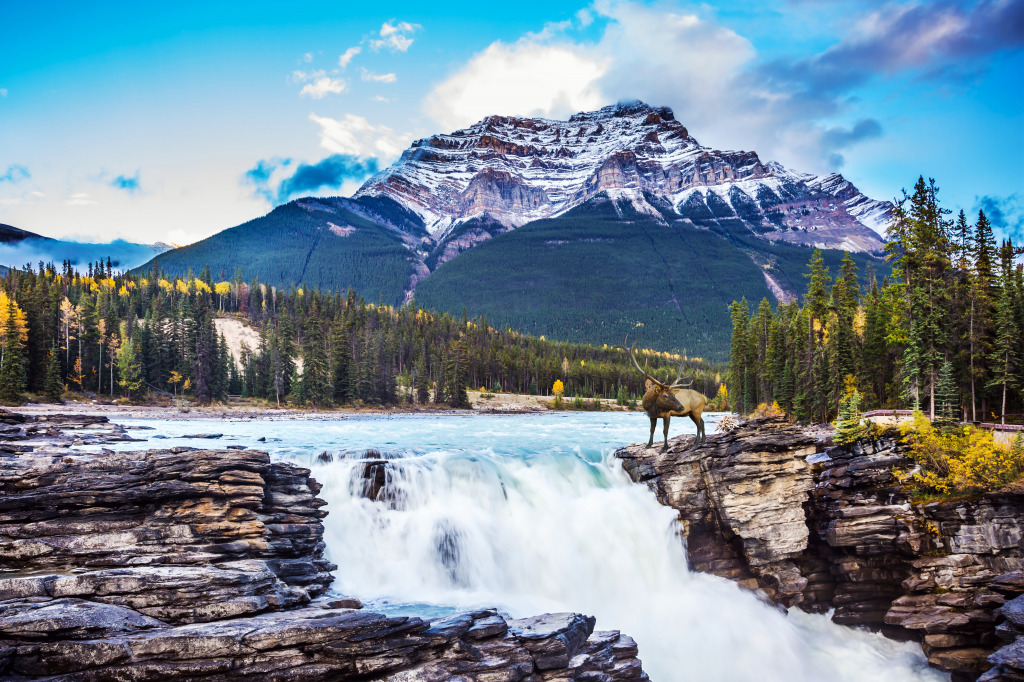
x=532 y=514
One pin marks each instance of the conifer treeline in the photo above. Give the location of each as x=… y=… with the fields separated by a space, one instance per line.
x=120 y=334
x=944 y=334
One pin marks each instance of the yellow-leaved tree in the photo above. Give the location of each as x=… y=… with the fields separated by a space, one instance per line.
x=19 y=319
x=558 y=390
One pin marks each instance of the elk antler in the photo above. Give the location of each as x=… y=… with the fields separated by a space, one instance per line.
x=678 y=383
x=632 y=356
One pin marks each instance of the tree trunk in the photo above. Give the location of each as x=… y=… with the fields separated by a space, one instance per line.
x=974 y=400
x=1006 y=377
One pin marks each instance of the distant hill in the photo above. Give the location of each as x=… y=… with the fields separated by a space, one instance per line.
x=19 y=247
x=614 y=221
x=12 y=235
x=337 y=243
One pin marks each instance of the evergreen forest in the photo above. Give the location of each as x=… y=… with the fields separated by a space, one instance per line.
x=943 y=333
x=138 y=336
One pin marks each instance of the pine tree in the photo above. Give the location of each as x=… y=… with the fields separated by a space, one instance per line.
x=817 y=290
x=439 y=385
x=848 y=426
x=344 y=367
x=946 y=395
x=316 y=368
x=128 y=368
x=12 y=362
x=53 y=385
x=1004 y=359
x=739 y=312
x=457 y=376
x=422 y=382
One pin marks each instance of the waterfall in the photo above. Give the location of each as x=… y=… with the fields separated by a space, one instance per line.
x=555 y=532
x=531 y=514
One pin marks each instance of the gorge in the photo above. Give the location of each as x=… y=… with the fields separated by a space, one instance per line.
x=527 y=514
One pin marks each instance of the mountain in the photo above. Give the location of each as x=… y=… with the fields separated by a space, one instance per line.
x=516 y=170
x=370 y=244
x=12 y=235
x=616 y=221
x=18 y=247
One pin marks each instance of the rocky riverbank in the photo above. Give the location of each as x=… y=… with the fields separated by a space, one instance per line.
x=774 y=507
x=209 y=565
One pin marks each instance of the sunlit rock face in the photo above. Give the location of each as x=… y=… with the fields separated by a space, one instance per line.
x=515 y=170
x=776 y=508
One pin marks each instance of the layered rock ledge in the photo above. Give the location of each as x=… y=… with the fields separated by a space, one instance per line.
x=209 y=565
x=775 y=508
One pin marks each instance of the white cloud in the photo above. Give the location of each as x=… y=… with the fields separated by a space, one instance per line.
x=323 y=86
x=348 y=56
x=80 y=199
x=701 y=69
x=529 y=77
x=395 y=37
x=3 y=92
x=355 y=135
x=308 y=57
x=378 y=77
x=380 y=98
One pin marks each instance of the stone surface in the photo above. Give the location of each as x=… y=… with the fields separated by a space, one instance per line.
x=208 y=565
x=775 y=508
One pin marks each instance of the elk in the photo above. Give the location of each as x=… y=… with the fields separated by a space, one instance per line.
x=664 y=401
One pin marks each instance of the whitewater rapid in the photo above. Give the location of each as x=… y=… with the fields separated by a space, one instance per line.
x=531 y=514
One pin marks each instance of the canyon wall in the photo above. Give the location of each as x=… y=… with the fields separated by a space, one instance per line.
x=774 y=507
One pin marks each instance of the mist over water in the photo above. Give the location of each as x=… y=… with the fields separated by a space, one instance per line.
x=531 y=514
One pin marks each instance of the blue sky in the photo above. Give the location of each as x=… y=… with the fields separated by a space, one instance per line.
x=171 y=124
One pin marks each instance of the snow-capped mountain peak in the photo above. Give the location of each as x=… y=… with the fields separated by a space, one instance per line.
x=514 y=170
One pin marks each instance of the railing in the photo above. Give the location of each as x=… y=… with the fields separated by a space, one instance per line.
x=907 y=413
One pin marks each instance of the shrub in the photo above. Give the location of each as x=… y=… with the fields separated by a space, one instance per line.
x=766 y=410
x=961 y=459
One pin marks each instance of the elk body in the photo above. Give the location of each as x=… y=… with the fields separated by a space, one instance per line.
x=664 y=401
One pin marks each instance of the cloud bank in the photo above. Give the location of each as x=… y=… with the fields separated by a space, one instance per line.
x=714 y=79
x=269 y=182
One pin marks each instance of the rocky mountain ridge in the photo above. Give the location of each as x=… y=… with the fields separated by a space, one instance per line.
x=515 y=170
x=773 y=507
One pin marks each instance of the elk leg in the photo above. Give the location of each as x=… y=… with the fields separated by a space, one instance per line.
x=665 y=419
x=654 y=424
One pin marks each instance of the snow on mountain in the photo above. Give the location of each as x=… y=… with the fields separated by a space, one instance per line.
x=514 y=170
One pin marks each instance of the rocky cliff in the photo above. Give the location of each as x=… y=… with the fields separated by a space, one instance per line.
x=209 y=565
x=773 y=507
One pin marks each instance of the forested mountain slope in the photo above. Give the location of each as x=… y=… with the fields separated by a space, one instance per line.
x=614 y=221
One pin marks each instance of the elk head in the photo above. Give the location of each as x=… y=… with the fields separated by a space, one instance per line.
x=659 y=397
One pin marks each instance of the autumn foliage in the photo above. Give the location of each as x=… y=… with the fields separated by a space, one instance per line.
x=961 y=460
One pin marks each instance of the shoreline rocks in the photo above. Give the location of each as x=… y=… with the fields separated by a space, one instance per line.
x=771 y=506
x=209 y=565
